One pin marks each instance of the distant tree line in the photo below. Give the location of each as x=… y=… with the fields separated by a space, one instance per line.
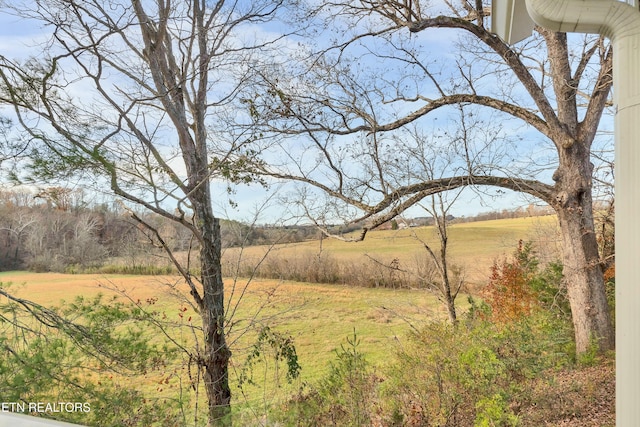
x=520 y=212
x=57 y=229
x=425 y=221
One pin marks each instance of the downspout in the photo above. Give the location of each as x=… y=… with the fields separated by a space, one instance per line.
x=621 y=23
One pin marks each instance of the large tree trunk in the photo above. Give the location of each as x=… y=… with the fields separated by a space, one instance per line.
x=582 y=268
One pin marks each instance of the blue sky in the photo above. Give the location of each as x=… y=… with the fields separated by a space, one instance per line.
x=16 y=36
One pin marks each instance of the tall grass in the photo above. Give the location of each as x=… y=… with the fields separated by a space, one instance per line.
x=393 y=258
x=323 y=267
x=134 y=269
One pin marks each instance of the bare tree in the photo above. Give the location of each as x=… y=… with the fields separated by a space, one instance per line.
x=548 y=94
x=136 y=97
x=15 y=226
x=433 y=155
x=449 y=279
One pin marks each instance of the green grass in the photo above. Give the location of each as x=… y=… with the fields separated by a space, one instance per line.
x=318 y=317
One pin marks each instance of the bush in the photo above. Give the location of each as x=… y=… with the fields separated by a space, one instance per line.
x=518 y=287
x=508 y=292
x=345 y=397
x=494 y=411
x=439 y=376
x=86 y=351
x=443 y=376
x=450 y=376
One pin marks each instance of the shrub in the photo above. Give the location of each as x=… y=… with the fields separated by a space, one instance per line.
x=86 y=351
x=449 y=376
x=493 y=412
x=508 y=292
x=439 y=376
x=325 y=268
x=519 y=291
x=346 y=396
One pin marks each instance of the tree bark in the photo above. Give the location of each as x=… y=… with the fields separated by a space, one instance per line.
x=582 y=268
x=451 y=306
x=449 y=296
x=216 y=355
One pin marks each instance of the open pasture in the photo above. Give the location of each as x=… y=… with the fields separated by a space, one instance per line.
x=318 y=317
x=473 y=246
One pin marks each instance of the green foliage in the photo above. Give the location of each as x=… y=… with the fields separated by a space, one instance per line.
x=242 y=169
x=436 y=378
x=346 y=385
x=610 y=289
x=273 y=345
x=344 y=397
x=460 y=376
x=466 y=375
x=592 y=356
x=520 y=292
x=84 y=352
x=117 y=331
x=551 y=292
x=493 y=411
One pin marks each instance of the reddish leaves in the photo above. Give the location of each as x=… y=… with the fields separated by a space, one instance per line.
x=508 y=292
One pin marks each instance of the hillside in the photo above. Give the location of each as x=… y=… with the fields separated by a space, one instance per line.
x=319 y=318
x=473 y=246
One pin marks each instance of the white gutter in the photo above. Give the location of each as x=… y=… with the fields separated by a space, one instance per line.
x=610 y=18
x=621 y=23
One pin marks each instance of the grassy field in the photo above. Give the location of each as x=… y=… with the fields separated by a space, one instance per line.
x=473 y=245
x=318 y=317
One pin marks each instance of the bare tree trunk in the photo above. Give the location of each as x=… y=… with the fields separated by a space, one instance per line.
x=582 y=268
x=447 y=292
x=450 y=301
x=449 y=296
x=585 y=285
x=159 y=79
x=216 y=352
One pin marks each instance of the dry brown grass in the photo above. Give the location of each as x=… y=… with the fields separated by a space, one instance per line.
x=51 y=288
x=472 y=246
